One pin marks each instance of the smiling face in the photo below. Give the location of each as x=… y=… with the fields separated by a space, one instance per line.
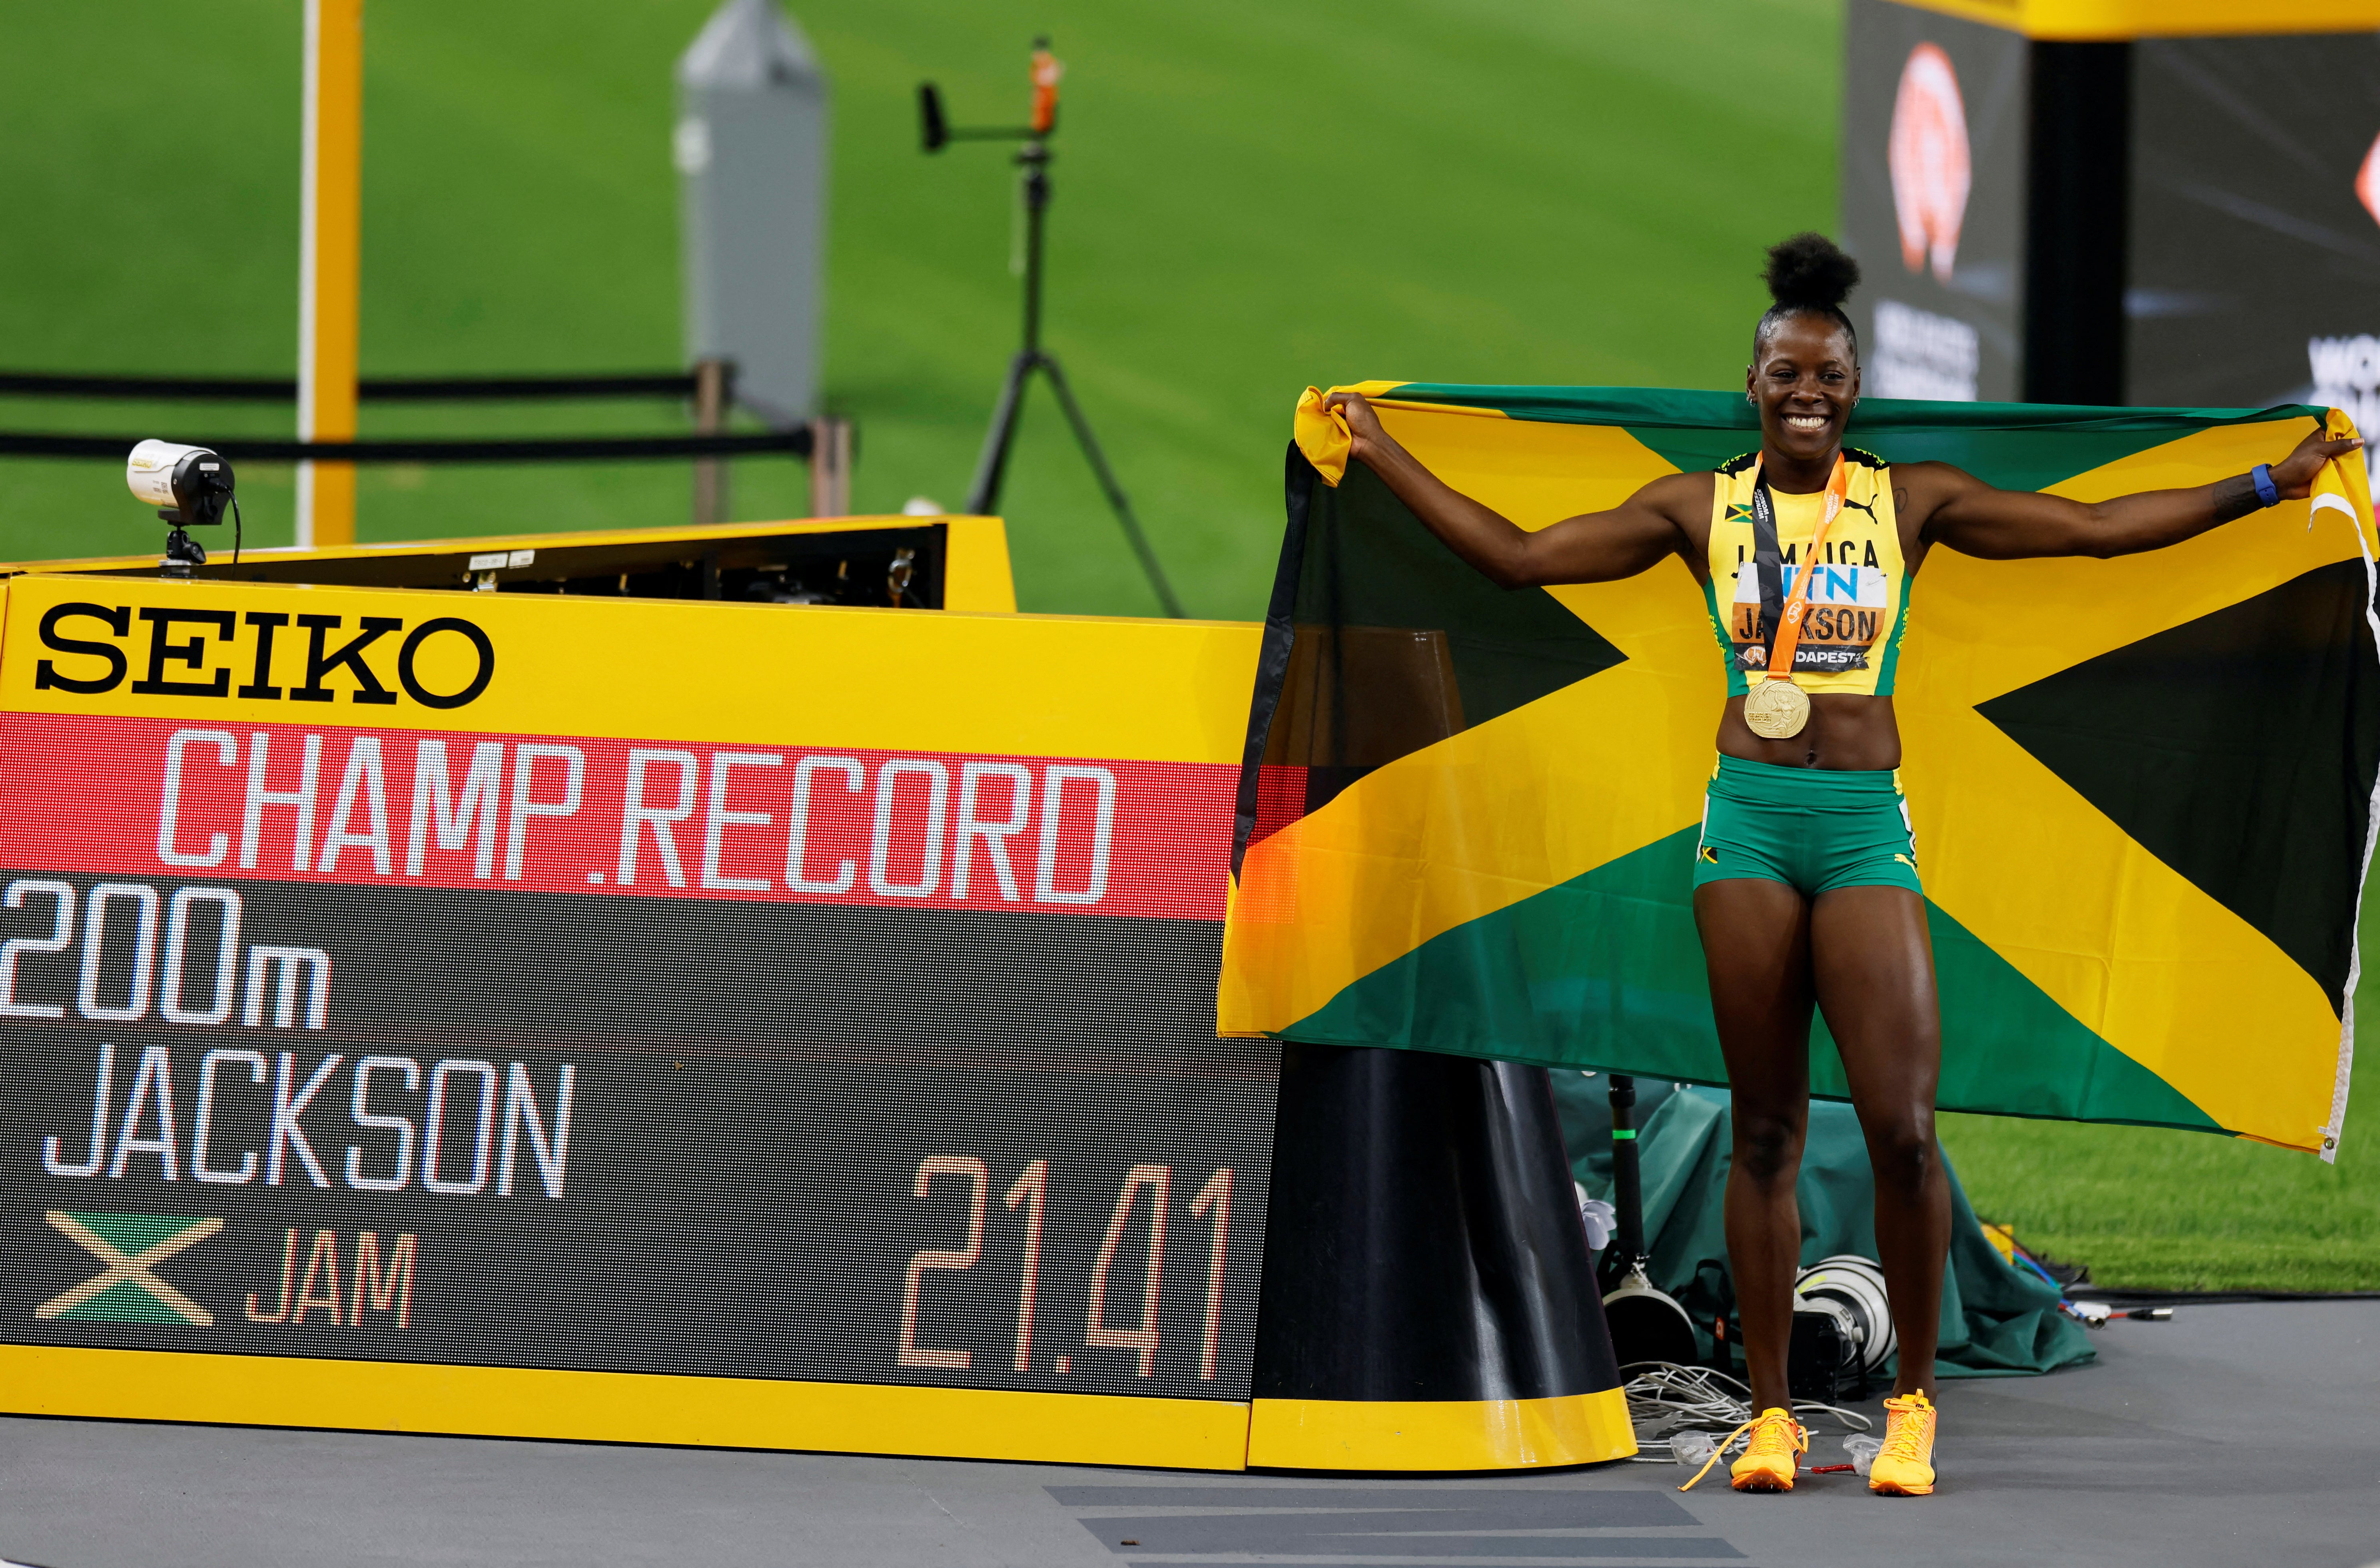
x=1804 y=382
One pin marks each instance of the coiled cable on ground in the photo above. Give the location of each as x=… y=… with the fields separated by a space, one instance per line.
x=1666 y=1399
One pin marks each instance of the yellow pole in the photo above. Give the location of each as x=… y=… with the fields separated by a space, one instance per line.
x=329 y=250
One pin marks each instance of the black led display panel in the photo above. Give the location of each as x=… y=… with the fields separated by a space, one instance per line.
x=865 y=1146
x=2255 y=222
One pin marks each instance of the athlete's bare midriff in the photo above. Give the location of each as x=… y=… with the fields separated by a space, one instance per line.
x=1847 y=732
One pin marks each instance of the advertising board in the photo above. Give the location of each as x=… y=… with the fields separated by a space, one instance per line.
x=1933 y=191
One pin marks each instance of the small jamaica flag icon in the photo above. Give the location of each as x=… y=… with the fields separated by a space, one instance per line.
x=126 y=1290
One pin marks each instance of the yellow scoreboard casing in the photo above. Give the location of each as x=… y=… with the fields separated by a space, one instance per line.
x=567 y=1016
x=2097 y=20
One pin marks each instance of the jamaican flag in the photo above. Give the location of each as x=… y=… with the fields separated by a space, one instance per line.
x=2141 y=789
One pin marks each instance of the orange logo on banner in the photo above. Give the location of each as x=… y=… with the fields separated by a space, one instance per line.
x=2367 y=181
x=1927 y=154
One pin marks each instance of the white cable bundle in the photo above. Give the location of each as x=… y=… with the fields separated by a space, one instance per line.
x=1668 y=1402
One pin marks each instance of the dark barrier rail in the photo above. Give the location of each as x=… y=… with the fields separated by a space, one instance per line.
x=825 y=444
x=379 y=389
x=797 y=442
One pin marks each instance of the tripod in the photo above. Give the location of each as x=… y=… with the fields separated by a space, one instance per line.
x=991 y=469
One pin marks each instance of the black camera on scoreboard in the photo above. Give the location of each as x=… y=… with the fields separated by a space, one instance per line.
x=190 y=486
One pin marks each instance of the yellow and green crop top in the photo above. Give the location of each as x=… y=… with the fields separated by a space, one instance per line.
x=1859 y=594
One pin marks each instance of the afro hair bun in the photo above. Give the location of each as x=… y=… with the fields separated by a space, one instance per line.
x=1810 y=271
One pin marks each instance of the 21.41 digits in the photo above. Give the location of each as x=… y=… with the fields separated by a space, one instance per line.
x=1027 y=1199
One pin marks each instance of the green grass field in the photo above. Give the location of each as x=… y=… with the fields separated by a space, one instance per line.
x=1250 y=198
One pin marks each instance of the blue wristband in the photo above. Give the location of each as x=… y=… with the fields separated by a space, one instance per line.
x=2261 y=476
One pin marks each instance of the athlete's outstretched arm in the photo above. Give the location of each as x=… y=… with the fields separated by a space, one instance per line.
x=2007 y=524
x=1597 y=547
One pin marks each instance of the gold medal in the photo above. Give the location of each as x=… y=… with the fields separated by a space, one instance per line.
x=1777 y=708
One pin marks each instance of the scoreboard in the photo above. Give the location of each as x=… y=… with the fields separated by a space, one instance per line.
x=585 y=1017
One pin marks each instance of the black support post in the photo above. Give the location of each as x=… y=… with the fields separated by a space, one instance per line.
x=2077 y=223
x=1627 y=1190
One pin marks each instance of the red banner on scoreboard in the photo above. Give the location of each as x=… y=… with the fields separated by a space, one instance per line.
x=578 y=814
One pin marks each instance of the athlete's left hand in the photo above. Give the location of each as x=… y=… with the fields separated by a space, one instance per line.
x=2294 y=475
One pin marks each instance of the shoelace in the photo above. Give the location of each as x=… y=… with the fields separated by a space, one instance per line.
x=1904 y=1438
x=1799 y=1441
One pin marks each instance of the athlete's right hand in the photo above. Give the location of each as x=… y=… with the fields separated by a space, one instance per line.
x=1363 y=424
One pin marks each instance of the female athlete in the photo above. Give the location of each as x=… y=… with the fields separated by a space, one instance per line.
x=1805 y=882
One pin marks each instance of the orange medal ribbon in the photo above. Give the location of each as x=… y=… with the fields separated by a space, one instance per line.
x=1789 y=633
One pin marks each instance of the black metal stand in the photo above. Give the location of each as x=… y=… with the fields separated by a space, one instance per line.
x=1647 y=1324
x=1627 y=1249
x=182 y=552
x=983 y=496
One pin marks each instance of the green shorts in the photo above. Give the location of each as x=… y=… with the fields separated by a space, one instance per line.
x=1813 y=829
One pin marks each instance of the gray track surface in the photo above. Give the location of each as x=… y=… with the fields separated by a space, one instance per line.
x=2231 y=1435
